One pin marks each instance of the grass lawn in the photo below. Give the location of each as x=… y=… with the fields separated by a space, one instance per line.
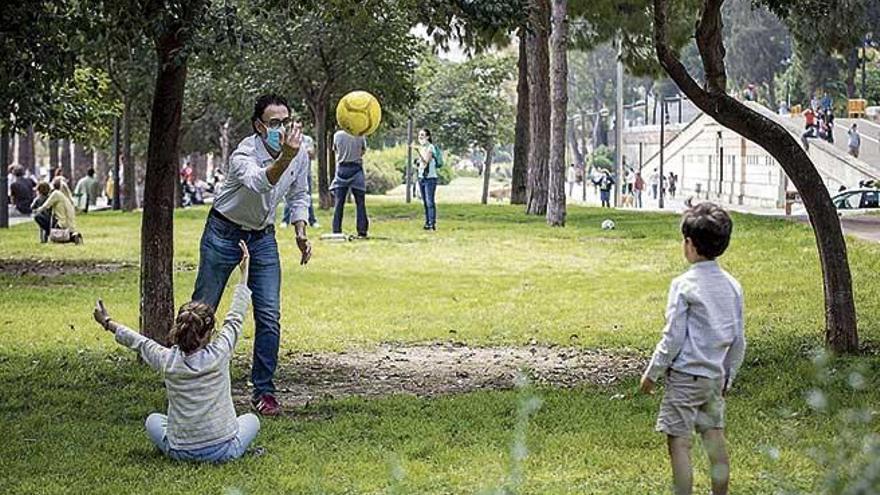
x=72 y=403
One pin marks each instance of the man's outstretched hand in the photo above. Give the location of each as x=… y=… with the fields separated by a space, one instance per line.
x=302 y=242
x=305 y=248
x=103 y=317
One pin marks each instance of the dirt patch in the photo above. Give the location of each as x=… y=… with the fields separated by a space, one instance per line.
x=55 y=268
x=439 y=369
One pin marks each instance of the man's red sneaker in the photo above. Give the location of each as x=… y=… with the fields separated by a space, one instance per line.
x=267 y=405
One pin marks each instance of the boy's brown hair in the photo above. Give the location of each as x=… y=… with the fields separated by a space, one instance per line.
x=193 y=326
x=709 y=228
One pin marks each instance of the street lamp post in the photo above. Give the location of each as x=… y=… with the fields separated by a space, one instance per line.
x=4 y=182
x=663 y=116
x=864 y=68
x=409 y=133
x=618 y=127
x=115 y=201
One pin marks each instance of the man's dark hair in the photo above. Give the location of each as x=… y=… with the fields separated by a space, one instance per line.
x=263 y=102
x=18 y=171
x=709 y=227
x=90 y=172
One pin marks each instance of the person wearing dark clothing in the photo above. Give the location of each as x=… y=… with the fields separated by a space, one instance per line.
x=605 y=185
x=44 y=219
x=22 y=191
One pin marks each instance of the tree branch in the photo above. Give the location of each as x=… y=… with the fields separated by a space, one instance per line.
x=670 y=61
x=710 y=43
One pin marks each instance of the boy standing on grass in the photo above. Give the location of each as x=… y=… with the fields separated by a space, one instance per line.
x=701 y=350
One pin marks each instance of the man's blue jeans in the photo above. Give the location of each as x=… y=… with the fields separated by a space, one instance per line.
x=219 y=255
x=428 y=188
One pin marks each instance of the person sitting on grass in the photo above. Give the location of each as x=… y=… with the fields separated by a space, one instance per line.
x=702 y=348
x=44 y=218
x=60 y=204
x=201 y=424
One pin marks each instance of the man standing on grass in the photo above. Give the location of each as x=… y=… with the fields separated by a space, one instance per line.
x=268 y=167
x=87 y=191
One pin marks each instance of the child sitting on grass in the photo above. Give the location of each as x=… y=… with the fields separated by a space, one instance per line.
x=201 y=424
x=701 y=350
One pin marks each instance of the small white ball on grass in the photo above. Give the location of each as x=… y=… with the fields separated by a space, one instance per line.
x=608 y=224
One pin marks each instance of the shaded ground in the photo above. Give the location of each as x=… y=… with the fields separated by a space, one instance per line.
x=438 y=369
x=57 y=268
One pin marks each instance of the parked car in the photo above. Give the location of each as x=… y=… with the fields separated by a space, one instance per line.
x=857 y=200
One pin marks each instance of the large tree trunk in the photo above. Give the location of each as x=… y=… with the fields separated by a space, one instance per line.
x=771 y=93
x=66 y=160
x=102 y=166
x=325 y=200
x=224 y=145
x=26 y=151
x=558 y=114
x=331 y=155
x=520 y=179
x=5 y=157
x=53 y=157
x=841 y=333
x=539 y=106
x=852 y=65
x=82 y=161
x=487 y=170
x=157 y=227
x=129 y=167
x=574 y=143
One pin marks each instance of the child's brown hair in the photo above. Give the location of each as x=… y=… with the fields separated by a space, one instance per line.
x=193 y=326
x=709 y=228
x=43 y=188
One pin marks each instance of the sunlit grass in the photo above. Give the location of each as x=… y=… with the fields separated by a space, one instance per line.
x=73 y=404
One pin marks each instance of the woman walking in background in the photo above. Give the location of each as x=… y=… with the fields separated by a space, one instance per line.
x=427 y=158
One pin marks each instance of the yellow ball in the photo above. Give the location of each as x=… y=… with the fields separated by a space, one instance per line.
x=359 y=113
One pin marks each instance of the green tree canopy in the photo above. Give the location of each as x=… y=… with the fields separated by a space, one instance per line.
x=467 y=104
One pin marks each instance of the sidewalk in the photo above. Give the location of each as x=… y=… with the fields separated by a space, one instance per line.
x=865 y=227
x=671 y=205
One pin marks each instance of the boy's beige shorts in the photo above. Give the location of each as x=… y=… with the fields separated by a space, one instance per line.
x=690 y=403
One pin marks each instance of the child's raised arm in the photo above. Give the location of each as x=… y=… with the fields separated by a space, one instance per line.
x=153 y=353
x=232 y=324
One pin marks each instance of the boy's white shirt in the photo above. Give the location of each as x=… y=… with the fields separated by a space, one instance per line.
x=200 y=409
x=704 y=334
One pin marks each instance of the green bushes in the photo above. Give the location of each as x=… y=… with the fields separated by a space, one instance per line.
x=602 y=158
x=386 y=166
x=380 y=176
x=381 y=168
x=445 y=174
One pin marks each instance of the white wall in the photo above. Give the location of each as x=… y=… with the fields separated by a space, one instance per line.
x=751 y=176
